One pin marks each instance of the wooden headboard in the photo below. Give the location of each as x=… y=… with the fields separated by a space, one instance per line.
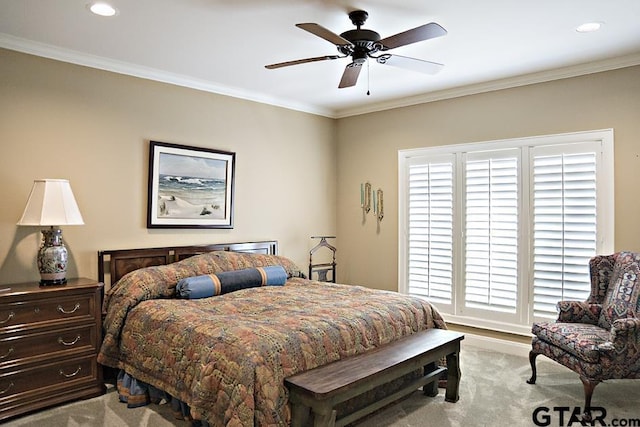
x=122 y=261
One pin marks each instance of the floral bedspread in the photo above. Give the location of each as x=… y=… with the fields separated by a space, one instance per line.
x=226 y=356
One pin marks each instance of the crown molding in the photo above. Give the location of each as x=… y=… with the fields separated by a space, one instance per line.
x=93 y=61
x=74 y=57
x=511 y=82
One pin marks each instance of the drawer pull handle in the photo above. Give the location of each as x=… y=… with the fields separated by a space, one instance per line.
x=63 y=342
x=9 y=387
x=72 y=374
x=4 y=356
x=11 y=316
x=63 y=311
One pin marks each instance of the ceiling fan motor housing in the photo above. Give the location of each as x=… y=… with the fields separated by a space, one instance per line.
x=363 y=41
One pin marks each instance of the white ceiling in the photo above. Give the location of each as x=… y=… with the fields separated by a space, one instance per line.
x=223 y=46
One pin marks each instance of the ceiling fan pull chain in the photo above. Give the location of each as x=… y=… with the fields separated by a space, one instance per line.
x=368 y=79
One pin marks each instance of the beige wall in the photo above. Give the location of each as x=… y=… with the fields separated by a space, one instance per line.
x=368 y=150
x=297 y=174
x=93 y=127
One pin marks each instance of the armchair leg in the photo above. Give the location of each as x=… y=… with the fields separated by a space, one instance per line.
x=588 y=385
x=532 y=361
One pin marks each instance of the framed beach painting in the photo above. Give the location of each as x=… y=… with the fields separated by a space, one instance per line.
x=189 y=187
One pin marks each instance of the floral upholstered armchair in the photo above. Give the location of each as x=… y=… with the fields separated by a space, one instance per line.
x=599 y=338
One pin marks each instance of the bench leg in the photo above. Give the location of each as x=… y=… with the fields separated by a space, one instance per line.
x=453 y=377
x=299 y=415
x=430 y=389
x=324 y=420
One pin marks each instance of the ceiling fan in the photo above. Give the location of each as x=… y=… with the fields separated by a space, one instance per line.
x=361 y=44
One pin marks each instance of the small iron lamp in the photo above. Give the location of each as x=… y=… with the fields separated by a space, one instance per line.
x=51 y=203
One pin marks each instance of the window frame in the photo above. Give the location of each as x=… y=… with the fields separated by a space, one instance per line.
x=520 y=323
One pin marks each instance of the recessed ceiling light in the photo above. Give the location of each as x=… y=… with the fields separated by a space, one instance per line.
x=589 y=27
x=103 y=9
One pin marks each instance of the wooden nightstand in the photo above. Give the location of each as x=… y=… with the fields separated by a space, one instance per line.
x=49 y=341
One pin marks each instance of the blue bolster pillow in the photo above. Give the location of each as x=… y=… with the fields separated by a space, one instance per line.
x=228 y=281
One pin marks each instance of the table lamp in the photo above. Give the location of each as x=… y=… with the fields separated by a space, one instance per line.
x=51 y=203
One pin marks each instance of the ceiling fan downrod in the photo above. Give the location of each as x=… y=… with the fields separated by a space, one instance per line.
x=363 y=42
x=358 y=17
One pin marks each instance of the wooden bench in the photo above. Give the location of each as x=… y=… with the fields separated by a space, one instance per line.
x=319 y=390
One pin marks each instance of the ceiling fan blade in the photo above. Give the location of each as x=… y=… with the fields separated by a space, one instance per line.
x=301 y=61
x=418 y=34
x=328 y=35
x=407 y=63
x=350 y=75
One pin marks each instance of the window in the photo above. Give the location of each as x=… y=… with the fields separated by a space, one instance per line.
x=496 y=233
x=430 y=249
x=491 y=228
x=564 y=225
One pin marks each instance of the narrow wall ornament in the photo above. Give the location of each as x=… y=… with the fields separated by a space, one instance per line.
x=365 y=197
x=371 y=199
x=379 y=211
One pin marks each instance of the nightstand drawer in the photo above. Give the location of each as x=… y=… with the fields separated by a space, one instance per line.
x=47 y=310
x=57 y=375
x=45 y=345
x=49 y=342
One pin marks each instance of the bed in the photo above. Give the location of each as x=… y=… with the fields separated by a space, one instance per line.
x=225 y=357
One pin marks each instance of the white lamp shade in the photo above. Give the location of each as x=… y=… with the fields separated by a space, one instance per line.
x=51 y=202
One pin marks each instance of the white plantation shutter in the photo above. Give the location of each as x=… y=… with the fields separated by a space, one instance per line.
x=564 y=223
x=491 y=232
x=430 y=222
x=496 y=233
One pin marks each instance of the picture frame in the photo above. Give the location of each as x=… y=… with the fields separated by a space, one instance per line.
x=190 y=187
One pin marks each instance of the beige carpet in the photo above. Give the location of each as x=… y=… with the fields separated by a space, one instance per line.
x=493 y=392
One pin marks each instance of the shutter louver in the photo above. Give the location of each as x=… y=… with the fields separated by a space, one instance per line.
x=430 y=214
x=491 y=234
x=564 y=204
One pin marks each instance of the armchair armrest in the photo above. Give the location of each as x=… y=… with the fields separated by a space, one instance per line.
x=578 y=312
x=623 y=332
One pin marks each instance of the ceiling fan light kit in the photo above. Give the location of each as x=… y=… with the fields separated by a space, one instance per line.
x=361 y=44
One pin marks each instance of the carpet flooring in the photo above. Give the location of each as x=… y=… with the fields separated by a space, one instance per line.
x=493 y=392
